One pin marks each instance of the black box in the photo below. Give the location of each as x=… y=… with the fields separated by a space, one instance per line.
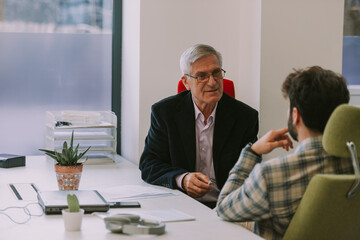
x=10 y=160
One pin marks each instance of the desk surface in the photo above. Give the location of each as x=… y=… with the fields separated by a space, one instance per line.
x=40 y=171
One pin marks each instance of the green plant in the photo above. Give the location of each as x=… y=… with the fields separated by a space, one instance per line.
x=68 y=156
x=73 y=203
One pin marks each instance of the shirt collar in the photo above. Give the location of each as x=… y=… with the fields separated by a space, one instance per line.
x=198 y=113
x=309 y=143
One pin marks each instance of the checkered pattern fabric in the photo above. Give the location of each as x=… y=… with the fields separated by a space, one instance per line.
x=269 y=192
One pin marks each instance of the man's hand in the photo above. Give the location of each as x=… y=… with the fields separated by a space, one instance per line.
x=273 y=139
x=196 y=184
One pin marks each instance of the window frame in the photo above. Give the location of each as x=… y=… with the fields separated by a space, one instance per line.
x=116 y=68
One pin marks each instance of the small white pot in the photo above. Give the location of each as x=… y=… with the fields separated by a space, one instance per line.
x=72 y=220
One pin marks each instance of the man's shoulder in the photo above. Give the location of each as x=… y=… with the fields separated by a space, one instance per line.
x=294 y=160
x=282 y=160
x=308 y=151
x=236 y=106
x=173 y=101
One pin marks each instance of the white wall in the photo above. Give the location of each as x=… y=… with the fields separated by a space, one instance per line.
x=295 y=34
x=130 y=96
x=261 y=41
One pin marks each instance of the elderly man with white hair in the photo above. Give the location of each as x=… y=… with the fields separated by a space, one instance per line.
x=196 y=136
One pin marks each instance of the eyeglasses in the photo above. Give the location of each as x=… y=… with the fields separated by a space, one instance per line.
x=204 y=77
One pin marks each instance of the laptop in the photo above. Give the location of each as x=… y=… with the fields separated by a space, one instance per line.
x=53 y=202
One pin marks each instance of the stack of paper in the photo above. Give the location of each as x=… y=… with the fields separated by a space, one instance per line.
x=132 y=192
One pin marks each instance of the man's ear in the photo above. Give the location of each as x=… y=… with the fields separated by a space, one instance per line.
x=295 y=116
x=185 y=82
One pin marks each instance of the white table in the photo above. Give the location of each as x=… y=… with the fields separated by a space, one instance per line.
x=40 y=171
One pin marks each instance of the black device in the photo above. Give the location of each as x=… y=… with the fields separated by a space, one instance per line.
x=124 y=204
x=62 y=123
x=11 y=160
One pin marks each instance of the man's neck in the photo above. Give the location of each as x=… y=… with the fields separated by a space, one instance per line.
x=306 y=133
x=207 y=112
x=205 y=109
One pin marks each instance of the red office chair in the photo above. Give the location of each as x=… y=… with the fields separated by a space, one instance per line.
x=228 y=85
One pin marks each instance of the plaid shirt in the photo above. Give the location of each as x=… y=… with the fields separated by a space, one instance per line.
x=269 y=192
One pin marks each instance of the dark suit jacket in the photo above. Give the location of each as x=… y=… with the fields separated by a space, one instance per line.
x=170 y=147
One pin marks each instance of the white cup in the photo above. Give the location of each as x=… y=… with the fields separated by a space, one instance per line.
x=72 y=220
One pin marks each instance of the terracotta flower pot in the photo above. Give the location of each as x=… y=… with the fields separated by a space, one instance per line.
x=68 y=177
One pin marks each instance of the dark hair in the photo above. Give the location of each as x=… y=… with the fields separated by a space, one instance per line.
x=315 y=92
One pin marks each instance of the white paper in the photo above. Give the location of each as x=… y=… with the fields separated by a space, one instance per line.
x=27 y=191
x=132 y=192
x=166 y=215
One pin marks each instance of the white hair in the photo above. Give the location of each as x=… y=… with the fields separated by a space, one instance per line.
x=194 y=53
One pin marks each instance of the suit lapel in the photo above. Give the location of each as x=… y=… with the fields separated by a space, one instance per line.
x=185 y=121
x=224 y=122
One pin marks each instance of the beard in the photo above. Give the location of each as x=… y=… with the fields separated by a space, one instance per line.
x=291 y=128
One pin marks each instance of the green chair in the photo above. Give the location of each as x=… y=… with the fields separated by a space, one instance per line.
x=330 y=207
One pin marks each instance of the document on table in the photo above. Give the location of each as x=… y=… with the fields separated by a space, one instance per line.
x=132 y=192
x=24 y=191
x=166 y=215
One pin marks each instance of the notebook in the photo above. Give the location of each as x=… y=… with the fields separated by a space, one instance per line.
x=54 y=201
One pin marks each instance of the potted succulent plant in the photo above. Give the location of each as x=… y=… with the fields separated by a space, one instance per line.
x=73 y=214
x=68 y=166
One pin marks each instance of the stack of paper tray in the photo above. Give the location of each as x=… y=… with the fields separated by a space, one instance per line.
x=95 y=129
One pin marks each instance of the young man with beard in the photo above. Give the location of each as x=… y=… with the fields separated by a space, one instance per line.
x=269 y=192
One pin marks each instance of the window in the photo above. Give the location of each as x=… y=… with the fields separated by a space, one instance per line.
x=55 y=55
x=351 y=49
